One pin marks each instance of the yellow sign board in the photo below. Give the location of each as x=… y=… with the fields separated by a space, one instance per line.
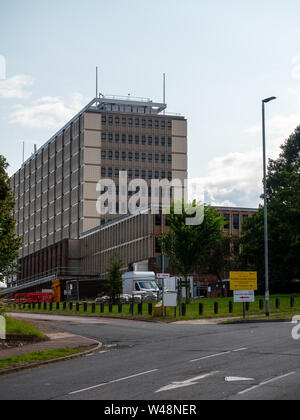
x=243 y=280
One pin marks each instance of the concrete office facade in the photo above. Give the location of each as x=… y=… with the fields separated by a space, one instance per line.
x=135 y=239
x=55 y=190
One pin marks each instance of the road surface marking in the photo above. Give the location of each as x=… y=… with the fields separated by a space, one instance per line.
x=266 y=383
x=217 y=355
x=113 y=382
x=210 y=357
x=238 y=350
x=184 y=384
x=237 y=379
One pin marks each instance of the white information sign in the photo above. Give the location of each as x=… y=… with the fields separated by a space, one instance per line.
x=170 y=299
x=246 y=296
x=163 y=276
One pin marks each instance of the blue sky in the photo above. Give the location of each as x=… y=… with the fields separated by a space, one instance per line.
x=221 y=58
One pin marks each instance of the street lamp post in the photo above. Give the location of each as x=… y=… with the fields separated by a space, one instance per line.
x=265 y=101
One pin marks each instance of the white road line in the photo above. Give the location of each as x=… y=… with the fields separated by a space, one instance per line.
x=210 y=357
x=217 y=355
x=266 y=383
x=113 y=382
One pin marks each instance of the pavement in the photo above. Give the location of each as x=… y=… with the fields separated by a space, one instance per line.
x=174 y=362
x=57 y=340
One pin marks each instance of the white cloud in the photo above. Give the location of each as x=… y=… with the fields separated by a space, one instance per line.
x=296 y=67
x=234 y=180
x=14 y=87
x=47 y=112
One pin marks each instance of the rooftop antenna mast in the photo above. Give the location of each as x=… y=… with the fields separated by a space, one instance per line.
x=23 y=154
x=164 y=90
x=97 y=77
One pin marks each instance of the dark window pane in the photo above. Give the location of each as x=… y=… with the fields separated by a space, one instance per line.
x=236 y=221
x=227 y=218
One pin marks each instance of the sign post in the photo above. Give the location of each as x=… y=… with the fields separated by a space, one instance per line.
x=162 y=277
x=243 y=284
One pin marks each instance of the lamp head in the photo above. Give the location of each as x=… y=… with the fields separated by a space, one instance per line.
x=265 y=101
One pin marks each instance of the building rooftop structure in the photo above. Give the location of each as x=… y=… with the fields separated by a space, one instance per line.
x=120 y=104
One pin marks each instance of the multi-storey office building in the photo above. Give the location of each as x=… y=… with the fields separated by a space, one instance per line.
x=135 y=239
x=56 y=191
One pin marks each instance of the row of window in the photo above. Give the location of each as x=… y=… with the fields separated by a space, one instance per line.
x=137 y=173
x=130 y=139
x=235 y=221
x=136 y=122
x=163 y=192
x=143 y=157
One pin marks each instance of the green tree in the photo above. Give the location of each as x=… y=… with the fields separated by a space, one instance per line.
x=114 y=279
x=283 y=185
x=188 y=247
x=9 y=242
x=222 y=259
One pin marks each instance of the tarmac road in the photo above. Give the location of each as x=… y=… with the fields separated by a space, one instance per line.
x=156 y=361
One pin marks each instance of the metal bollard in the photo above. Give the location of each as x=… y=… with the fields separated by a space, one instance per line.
x=216 y=308
x=57 y=306
x=33 y=306
x=102 y=308
x=140 y=309
x=183 y=309
x=261 y=304
x=150 y=309
x=247 y=306
x=292 y=302
x=110 y=308
x=45 y=306
x=230 y=307
x=71 y=306
x=85 y=306
x=201 y=309
x=93 y=308
x=64 y=306
x=51 y=306
x=120 y=308
x=77 y=307
x=131 y=309
x=277 y=303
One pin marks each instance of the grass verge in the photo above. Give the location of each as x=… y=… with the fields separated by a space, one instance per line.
x=15 y=326
x=35 y=357
x=192 y=310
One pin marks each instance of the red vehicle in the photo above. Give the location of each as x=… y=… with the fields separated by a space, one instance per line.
x=34 y=297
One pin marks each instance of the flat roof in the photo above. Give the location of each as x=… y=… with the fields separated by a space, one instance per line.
x=100 y=104
x=244 y=209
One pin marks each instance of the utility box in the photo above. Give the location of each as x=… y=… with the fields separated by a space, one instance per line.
x=171 y=285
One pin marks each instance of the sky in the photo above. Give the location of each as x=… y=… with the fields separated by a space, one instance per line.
x=221 y=59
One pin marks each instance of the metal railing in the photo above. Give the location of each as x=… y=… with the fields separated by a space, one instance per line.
x=50 y=274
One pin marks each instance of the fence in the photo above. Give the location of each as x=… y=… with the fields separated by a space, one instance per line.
x=202 y=309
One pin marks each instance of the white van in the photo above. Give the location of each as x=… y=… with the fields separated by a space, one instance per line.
x=137 y=282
